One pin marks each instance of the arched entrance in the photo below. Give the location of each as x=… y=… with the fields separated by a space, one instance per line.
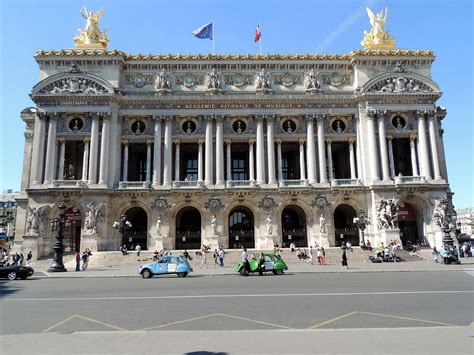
x=138 y=233
x=407 y=224
x=241 y=228
x=344 y=228
x=293 y=225
x=72 y=234
x=188 y=229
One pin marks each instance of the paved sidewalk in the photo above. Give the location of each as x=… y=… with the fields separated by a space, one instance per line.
x=42 y=266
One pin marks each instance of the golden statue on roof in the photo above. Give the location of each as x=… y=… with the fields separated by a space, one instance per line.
x=92 y=36
x=378 y=38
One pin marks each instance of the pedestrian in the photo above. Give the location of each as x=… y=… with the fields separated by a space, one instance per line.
x=186 y=255
x=85 y=260
x=323 y=256
x=344 y=260
x=435 y=254
x=22 y=258
x=138 y=249
x=261 y=264
x=245 y=261
x=221 y=256
x=310 y=254
x=78 y=261
x=349 y=246
x=216 y=257
x=29 y=258
x=319 y=256
x=203 y=257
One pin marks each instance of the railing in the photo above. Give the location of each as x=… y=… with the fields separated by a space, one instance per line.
x=188 y=240
x=240 y=183
x=345 y=182
x=134 y=185
x=188 y=184
x=293 y=183
x=410 y=179
x=69 y=183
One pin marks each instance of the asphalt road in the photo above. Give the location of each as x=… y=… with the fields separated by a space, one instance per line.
x=304 y=301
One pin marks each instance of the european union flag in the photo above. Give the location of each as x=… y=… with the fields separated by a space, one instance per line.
x=205 y=31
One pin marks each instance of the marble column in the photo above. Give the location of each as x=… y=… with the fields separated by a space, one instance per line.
x=390 y=157
x=251 y=161
x=104 y=150
x=302 y=160
x=383 y=145
x=200 y=143
x=157 y=152
x=329 y=151
x=219 y=152
x=62 y=152
x=434 y=146
x=373 y=159
x=94 y=149
x=50 y=150
x=271 y=150
x=414 y=164
x=311 y=150
x=352 y=159
x=148 y=160
x=176 y=160
x=125 y=161
x=260 y=152
x=208 y=177
x=167 y=154
x=423 y=146
x=228 y=159
x=38 y=149
x=280 y=168
x=321 y=150
x=85 y=160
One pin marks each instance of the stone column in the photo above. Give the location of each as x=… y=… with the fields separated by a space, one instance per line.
x=390 y=157
x=208 y=177
x=200 y=143
x=219 y=152
x=94 y=149
x=302 y=161
x=104 y=150
x=38 y=149
x=414 y=164
x=251 y=161
x=260 y=152
x=157 y=152
x=280 y=168
x=62 y=152
x=168 y=148
x=176 y=161
x=311 y=150
x=271 y=150
x=321 y=151
x=434 y=146
x=125 y=161
x=148 y=160
x=228 y=159
x=352 y=159
x=383 y=144
x=329 y=151
x=85 y=160
x=50 y=150
x=423 y=146
x=373 y=159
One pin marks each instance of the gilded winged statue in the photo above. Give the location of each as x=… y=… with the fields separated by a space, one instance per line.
x=377 y=37
x=92 y=36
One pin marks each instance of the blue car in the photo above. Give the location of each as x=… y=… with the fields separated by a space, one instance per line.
x=168 y=264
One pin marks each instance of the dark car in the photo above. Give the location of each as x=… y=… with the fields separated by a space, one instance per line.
x=13 y=272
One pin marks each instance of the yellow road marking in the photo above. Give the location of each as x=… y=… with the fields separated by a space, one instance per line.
x=332 y=320
x=59 y=323
x=407 y=318
x=254 y=321
x=180 y=321
x=84 y=318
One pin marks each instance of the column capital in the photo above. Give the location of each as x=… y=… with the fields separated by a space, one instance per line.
x=389 y=137
x=209 y=118
x=105 y=115
x=270 y=117
x=166 y=118
x=42 y=116
x=371 y=114
x=412 y=137
x=328 y=141
x=62 y=140
x=311 y=117
x=157 y=118
x=352 y=140
x=53 y=116
x=251 y=141
x=177 y=142
x=219 y=118
x=149 y=142
x=125 y=142
x=420 y=114
x=228 y=142
x=201 y=141
x=301 y=141
x=278 y=141
x=381 y=114
x=320 y=117
x=86 y=140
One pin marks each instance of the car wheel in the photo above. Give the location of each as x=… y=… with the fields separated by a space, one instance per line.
x=11 y=275
x=146 y=274
x=182 y=274
x=278 y=272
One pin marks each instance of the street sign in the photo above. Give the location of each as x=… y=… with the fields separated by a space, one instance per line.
x=3 y=235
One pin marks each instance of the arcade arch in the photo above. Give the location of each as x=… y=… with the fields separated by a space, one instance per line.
x=293 y=226
x=188 y=228
x=241 y=228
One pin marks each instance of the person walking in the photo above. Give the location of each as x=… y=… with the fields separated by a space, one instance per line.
x=203 y=257
x=221 y=256
x=216 y=257
x=310 y=254
x=29 y=258
x=138 y=249
x=344 y=260
x=85 y=260
x=261 y=264
x=245 y=261
x=323 y=256
x=78 y=261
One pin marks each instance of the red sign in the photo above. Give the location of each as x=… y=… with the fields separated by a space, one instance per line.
x=74 y=215
x=406 y=212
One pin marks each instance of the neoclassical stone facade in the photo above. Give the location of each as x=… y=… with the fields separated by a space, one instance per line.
x=232 y=149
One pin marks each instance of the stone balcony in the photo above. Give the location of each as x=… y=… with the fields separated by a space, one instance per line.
x=70 y=184
x=134 y=185
x=293 y=183
x=335 y=183
x=188 y=185
x=235 y=184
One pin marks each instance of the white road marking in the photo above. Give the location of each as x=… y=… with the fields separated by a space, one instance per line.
x=174 y=297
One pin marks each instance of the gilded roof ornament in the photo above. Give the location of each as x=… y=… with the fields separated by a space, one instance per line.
x=377 y=37
x=91 y=36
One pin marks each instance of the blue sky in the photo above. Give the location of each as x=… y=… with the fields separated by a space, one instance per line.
x=290 y=26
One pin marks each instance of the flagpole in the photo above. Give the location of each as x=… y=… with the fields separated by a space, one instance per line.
x=260 y=40
x=213 y=37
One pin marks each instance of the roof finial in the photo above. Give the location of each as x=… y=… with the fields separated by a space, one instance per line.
x=378 y=38
x=92 y=36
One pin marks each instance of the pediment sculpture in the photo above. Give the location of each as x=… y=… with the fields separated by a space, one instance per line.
x=400 y=84
x=263 y=82
x=74 y=85
x=213 y=82
x=163 y=82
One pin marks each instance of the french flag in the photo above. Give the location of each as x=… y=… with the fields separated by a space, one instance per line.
x=258 y=34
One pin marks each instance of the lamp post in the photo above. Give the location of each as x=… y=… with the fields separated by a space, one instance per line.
x=122 y=225
x=6 y=217
x=447 y=226
x=58 y=224
x=362 y=221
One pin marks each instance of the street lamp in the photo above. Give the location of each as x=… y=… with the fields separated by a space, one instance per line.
x=58 y=224
x=122 y=225
x=362 y=221
x=447 y=226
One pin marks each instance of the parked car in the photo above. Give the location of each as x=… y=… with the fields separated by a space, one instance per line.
x=13 y=272
x=272 y=263
x=168 y=264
